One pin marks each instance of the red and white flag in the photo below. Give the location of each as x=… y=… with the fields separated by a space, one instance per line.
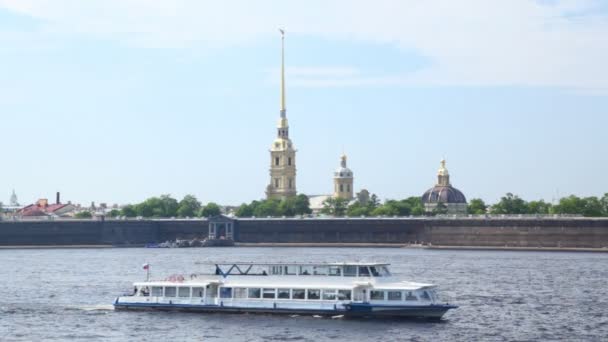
x=146 y=266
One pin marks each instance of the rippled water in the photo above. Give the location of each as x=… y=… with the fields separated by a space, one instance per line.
x=61 y=294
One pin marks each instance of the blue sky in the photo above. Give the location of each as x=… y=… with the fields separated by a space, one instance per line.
x=116 y=101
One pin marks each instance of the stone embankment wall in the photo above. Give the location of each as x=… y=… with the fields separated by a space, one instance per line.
x=490 y=232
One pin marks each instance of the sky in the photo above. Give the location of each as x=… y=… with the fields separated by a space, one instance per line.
x=116 y=101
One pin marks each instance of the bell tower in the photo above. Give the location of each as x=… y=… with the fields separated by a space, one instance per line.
x=343 y=181
x=282 y=152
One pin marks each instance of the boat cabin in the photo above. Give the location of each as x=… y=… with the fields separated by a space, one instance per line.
x=303 y=269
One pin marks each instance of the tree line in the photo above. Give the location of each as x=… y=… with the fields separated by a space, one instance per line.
x=364 y=205
x=511 y=204
x=167 y=206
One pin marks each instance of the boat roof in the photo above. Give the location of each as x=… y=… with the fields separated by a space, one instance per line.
x=280 y=263
x=312 y=283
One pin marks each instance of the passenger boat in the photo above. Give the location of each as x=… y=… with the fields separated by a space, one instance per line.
x=329 y=289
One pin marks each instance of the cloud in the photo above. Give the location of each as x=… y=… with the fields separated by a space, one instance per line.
x=559 y=43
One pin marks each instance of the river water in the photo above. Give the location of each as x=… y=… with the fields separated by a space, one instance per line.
x=66 y=294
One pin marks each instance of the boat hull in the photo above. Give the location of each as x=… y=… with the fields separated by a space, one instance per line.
x=434 y=312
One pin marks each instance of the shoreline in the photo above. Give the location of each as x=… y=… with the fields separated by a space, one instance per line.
x=336 y=245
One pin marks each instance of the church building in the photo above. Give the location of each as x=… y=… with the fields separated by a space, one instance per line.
x=443 y=194
x=282 y=152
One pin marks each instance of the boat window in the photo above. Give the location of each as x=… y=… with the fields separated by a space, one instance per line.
x=254 y=293
x=313 y=294
x=240 y=292
x=334 y=271
x=298 y=294
x=226 y=292
x=394 y=295
x=291 y=270
x=183 y=292
x=329 y=294
x=170 y=291
x=268 y=293
x=344 y=294
x=283 y=293
x=157 y=291
x=320 y=270
x=198 y=292
x=384 y=271
x=275 y=270
x=374 y=271
x=305 y=270
x=350 y=271
x=425 y=296
x=376 y=295
x=410 y=296
x=363 y=271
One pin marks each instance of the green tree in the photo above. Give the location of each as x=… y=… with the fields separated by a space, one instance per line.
x=477 y=206
x=302 y=205
x=357 y=209
x=189 y=206
x=510 y=204
x=114 y=213
x=83 y=215
x=539 y=207
x=128 y=211
x=244 y=210
x=265 y=208
x=211 y=209
x=169 y=206
x=604 y=202
x=335 y=206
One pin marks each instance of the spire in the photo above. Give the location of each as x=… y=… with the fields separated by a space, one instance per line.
x=443 y=176
x=343 y=160
x=283 y=109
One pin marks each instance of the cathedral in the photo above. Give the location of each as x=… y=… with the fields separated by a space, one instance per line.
x=282 y=152
x=282 y=183
x=444 y=194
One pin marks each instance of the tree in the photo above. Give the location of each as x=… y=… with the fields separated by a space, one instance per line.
x=539 y=207
x=335 y=206
x=357 y=209
x=83 y=215
x=267 y=208
x=302 y=205
x=510 y=204
x=114 y=213
x=573 y=205
x=168 y=205
x=128 y=211
x=244 y=210
x=211 y=209
x=189 y=206
x=604 y=202
x=477 y=206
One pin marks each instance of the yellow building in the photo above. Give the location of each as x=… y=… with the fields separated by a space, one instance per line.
x=343 y=181
x=282 y=152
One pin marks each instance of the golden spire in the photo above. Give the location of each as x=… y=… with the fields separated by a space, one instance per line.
x=283 y=109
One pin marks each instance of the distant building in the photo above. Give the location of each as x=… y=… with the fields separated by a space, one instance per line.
x=343 y=180
x=14 y=202
x=443 y=194
x=43 y=208
x=343 y=187
x=282 y=152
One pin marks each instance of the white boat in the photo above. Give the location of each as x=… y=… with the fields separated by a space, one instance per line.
x=329 y=289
